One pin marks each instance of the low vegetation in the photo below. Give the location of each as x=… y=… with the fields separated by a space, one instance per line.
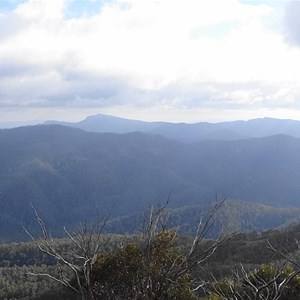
x=155 y=264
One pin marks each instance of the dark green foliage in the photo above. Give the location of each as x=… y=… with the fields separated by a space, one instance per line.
x=128 y=265
x=261 y=283
x=17 y=260
x=137 y=272
x=16 y=283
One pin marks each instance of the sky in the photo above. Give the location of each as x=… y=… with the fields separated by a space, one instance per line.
x=168 y=60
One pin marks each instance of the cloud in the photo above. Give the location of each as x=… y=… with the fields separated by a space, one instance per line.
x=292 y=22
x=181 y=54
x=37 y=10
x=9 y=26
x=229 y=95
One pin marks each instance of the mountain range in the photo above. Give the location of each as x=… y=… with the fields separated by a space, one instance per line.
x=67 y=172
x=234 y=130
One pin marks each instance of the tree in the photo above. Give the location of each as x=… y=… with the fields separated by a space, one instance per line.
x=279 y=280
x=77 y=263
x=152 y=267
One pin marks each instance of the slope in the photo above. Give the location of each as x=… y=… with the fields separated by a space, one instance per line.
x=66 y=173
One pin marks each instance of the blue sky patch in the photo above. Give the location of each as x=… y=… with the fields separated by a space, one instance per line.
x=9 y=5
x=74 y=8
x=84 y=8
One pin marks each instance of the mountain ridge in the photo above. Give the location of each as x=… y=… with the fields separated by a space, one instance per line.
x=67 y=172
x=232 y=216
x=190 y=132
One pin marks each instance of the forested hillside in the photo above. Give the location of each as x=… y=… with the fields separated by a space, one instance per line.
x=234 y=215
x=66 y=173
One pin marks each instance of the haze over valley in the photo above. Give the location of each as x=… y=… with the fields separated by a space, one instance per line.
x=125 y=166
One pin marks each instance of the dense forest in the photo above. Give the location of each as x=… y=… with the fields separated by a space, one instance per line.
x=67 y=172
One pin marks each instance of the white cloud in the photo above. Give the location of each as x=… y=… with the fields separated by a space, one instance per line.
x=41 y=10
x=143 y=53
x=292 y=22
